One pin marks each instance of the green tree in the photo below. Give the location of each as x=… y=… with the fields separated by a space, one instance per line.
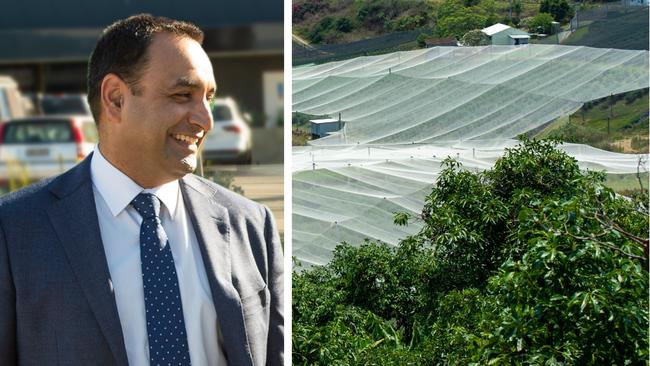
x=455 y=19
x=460 y=22
x=530 y=262
x=541 y=23
x=559 y=9
x=517 y=7
x=475 y=37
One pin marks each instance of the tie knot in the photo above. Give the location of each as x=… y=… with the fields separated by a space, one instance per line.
x=147 y=205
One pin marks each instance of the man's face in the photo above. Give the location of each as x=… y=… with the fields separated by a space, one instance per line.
x=164 y=123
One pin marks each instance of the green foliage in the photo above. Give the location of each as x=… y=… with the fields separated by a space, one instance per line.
x=421 y=39
x=456 y=19
x=301 y=10
x=406 y=23
x=559 y=9
x=374 y=14
x=343 y=25
x=531 y=262
x=517 y=7
x=625 y=130
x=320 y=32
x=540 y=23
x=475 y=37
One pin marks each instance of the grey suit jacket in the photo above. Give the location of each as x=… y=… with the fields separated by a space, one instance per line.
x=57 y=306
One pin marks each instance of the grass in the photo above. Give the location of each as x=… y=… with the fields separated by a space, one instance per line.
x=627 y=131
x=623 y=30
x=626 y=183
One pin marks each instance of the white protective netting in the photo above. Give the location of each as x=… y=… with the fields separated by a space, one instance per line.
x=405 y=112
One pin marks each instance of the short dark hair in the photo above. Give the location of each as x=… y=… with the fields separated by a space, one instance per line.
x=122 y=50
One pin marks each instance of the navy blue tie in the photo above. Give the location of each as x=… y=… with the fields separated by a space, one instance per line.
x=162 y=297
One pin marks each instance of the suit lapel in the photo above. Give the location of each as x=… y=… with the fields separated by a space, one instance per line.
x=212 y=227
x=74 y=218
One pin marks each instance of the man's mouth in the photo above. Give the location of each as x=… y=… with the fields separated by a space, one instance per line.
x=192 y=140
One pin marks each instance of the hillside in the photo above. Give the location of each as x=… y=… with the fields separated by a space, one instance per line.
x=343 y=21
x=619 y=29
x=626 y=131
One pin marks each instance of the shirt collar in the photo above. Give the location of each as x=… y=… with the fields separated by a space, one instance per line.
x=118 y=190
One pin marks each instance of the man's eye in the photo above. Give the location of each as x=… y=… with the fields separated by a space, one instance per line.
x=183 y=96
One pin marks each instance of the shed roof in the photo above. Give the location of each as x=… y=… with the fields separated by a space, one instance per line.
x=495 y=28
x=323 y=120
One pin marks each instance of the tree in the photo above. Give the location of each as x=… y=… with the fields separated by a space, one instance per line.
x=541 y=23
x=530 y=262
x=559 y=9
x=460 y=22
x=455 y=19
x=517 y=7
x=475 y=37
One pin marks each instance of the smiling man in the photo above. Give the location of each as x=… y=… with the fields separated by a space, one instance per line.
x=128 y=258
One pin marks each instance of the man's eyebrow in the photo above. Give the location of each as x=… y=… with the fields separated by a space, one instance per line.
x=191 y=83
x=186 y=82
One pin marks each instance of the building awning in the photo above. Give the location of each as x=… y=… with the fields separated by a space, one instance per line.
x=75 y=45
x=519 y=36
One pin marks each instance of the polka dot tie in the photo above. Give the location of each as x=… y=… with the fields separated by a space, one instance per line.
x=162 y=298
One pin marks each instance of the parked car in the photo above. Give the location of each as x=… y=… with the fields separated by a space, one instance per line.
x=64 y=104
x=230 y=138
x=11 y=103
x=40 y=147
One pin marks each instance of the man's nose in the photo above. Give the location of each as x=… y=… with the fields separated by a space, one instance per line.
x=201 y=115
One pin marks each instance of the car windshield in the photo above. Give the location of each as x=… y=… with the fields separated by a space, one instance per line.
x=37 y=132
x=221 y=113
x=63 y=105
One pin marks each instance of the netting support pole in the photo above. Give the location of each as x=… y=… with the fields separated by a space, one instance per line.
x=609 y=117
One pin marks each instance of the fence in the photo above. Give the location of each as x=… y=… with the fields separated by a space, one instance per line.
x=325 y=53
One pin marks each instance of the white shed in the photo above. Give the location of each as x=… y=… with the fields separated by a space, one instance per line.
x=505 y=35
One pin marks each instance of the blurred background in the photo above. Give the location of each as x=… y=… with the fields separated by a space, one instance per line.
x=46 y=125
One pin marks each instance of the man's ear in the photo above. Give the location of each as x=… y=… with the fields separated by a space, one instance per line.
x=112 y=97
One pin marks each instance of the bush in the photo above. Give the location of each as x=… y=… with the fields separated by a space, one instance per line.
x=421 y=39
x=343 y=25
x=541 y=23
x=475 y=37
x=531 y=262
x=406 y=23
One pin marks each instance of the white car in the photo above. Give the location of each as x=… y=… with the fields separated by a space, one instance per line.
x=230 y=138
x=34 y=148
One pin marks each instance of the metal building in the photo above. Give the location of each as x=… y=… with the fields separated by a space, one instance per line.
x=45 y=45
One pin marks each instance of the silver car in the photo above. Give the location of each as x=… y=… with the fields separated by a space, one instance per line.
x=38 y=147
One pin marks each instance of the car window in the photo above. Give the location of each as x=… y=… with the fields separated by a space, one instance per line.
x=63 y=105
x=221 y=113
x=37 y=132
x=90 y=131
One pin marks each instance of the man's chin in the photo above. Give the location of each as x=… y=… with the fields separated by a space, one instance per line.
x=188 y=165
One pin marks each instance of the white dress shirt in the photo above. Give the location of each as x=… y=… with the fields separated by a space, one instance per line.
x=119 y=224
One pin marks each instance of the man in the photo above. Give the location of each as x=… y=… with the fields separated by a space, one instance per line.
x=128 y=258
